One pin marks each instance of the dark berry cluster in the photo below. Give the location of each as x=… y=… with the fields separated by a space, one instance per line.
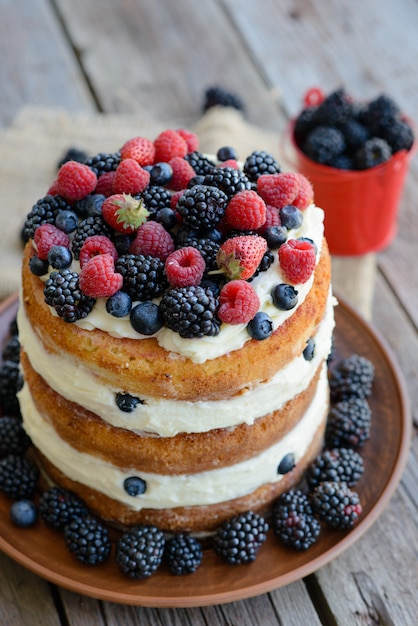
x=349 y=135
x=239 y=539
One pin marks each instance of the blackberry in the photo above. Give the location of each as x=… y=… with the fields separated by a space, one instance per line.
x=87 y=539
x=374 y=152
x=103 y=162
x=90 y=206
x=218 y=96
x=200 y=163
x=88 y=227
x=190 y=311
x=13 y=329
x=355 y=134
x=62 y=291
x=202 y=206
x=338 y=465
x=207 y=247
x=228 y=180
x=380 y=113
x=73 y=154
x=59 y=506
x=139 y=552
x=43 y=212
x=11 y=349
x=259 y=163
x=399 y=136
x=239 y=539
x=335 y=109
x=351 y=377
x=304 y=123
x=293 y=521
x=183 y=554
x=336 y=504
x=342 y=162
x=18 y=477
x=13 y=438
x=143 y=276
x=348 y=424
x=155 y=198
x=323 y=144
x=11 y=381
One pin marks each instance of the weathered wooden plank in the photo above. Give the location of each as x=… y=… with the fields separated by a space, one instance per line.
x=41 y=68
x=80 y=610
x=163 y=55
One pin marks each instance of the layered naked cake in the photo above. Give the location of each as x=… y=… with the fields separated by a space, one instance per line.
x=175 y=360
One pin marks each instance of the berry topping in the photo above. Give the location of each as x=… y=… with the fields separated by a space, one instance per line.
x=18 y=477
x=260 y=327
x=66 y=221
x=339 y=465
x=98 y=277
x=44 y=211
x=191 y=139
x=202 y=206
x=348 y=424
x=11 y=381
x=297 y=260
x=58 y=506
x=293 y=521
x=143 y=276
x=75 y=181
x=88 y=227
x=169 y=144
x=139 y=552
x=145 y=318
x=185 y=267
x=62 y=291
x=275 y=236
x=246 y=211
x=336 y=505
x=23 y=513
x=140 y=149
x=238 y=302
x=104 y=185
x=284 y=296
x=127 y=403
x=103 y=162
x=13 y=438
x=278 y=190
x=239 y=257
x=309 y=350
x=228 y=179
x=305 y=195
x=161 y=174
x=88 y=540
x=73 y=154
x=97 y=244
x=60 y=257
x=200 y=163
x=152 y=239
x=182 y=173
x=190 y=311
x=226 y=153
x=46 y=236
x=219 y=96
x=259 y=163
x=156 y=198
x=11 y=349
x=351 y=377
x=134 y=486
x=130 y=178
x=286 y=464
x=290 y=217
x=124 y=213
x=183 y=554
x=239 y=539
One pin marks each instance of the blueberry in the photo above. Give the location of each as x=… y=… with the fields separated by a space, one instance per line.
x=66 y=221
x=161 y=174
x=134 y=486
x=213 y=234
x=275 y=236
x=225 y=153
x=123 y=243
x=38 y=266
x=145 y=318
x=285 y=297
x=60 y=257
x=91 y=205
x=290 y=217
x=309 y=351
x=286 y=464
x=119 y=304
x=260 y=327
x=166 y=217
x=23 y=513
x=126 y=402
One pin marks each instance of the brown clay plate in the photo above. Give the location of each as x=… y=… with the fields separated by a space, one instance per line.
x=42 y=550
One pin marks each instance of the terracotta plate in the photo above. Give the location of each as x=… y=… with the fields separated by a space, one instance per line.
x=42 y=550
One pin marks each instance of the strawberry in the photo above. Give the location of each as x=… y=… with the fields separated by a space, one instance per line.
x=152 y=239
x=140 y=149
x=168 y=145
x=278 y=189
x=239 y=257
x=185 y=267
x=98 y=278
x=191 y=139
x=46 y=236
x=130 y=177
x=297 y=260
x=75 y=181
x=124 y=213
x=182 y=173
x=246 y=211
x=238 y=302
x=94 y=245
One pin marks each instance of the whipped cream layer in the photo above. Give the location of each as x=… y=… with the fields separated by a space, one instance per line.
x=205 y=488
x=164 y=417
x=231 y=337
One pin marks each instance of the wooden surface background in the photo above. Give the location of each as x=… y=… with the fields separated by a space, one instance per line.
x=130 y=55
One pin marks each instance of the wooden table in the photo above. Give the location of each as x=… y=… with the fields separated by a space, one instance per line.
x=115 y=56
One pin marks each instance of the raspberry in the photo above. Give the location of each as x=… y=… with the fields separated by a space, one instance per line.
x=152 y=239
x=46 y=236
x=130 y=178
x=185 y=267
x=53 y=190
x=105 y=184
x=246 y=211
x=75 y=181
x=190 y=138
x=168 y=145
x=278 y=189
x=239 y=257
x=98 y=277
x=140 y=149
x=238 y=302
x=297 y=260
x=182 y=173
x=305 y=195
x=272 y=219
x=98 y=244
x=124 y=213
x=231 y=163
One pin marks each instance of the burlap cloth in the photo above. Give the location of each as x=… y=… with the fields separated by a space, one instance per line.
x=37 y=139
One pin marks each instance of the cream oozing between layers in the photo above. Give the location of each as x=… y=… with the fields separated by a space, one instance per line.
x=165 y=417
x=164 y=491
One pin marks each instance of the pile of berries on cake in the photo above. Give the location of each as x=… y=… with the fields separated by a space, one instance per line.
x=338 y=131
x=170 y=237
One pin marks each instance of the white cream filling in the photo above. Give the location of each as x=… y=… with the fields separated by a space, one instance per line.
x=164 y=491
x=164 y=417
